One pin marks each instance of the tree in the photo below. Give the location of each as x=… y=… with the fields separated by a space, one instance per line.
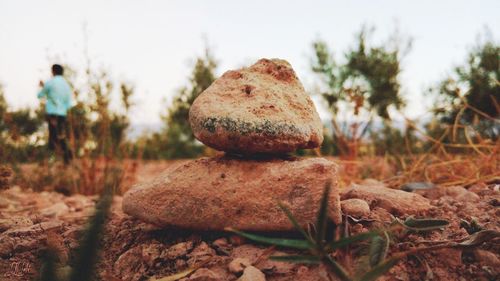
x=471 y=94
x=178 y=138
x=110 y=126
x=368 y=81
x=3 y=109
x=369 y=78
x=91 y=120
x=17 y=128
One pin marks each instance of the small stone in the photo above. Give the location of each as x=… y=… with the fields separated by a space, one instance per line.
x=253 y=254
x=179 y=250
x=201 y=252
x=221 y=243
x=222 y=246
x=32 y=230
x=55 y=210
x=195 y=196
x=276 y=267
x=252 y=274
x=14 y=222
x=457 y=192
x=204 y=274
x=247 y=251
x=129 y=265
x=151 y=253
x=238 y=265
x=260 y=109
x=487 y=258
x=396 y=202
x=355 y=207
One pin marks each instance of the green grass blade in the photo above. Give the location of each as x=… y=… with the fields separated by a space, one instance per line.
x=87 y=254
x=480 y=237
x=297 y=259
x=322 y=215
x=379 y=270
x=339 y=271
x=351 y=239
x=295 y=223
x=378 y=250
x=48 y=268
x=424 y=224
x=290 y=243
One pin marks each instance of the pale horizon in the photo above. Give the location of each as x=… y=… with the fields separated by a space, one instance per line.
x=153 y=44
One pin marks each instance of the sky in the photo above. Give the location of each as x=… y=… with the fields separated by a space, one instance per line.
x=153 y=44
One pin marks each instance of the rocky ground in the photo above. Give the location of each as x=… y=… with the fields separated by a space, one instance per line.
x=133 y=250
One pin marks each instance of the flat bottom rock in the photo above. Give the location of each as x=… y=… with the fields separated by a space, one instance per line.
x=214 y=193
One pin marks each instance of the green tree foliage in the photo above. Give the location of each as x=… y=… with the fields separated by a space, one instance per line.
x=471 y=94
x=3 y=109
x=109 y=128
x=20 y=123
x=366 y=82
x=378 y=69
x=177 y=140
x=17 y=129
x=369 y=78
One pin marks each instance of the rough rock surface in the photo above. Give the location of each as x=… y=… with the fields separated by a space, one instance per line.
x=12 y=222
x=457 y=192
x=355 y=207
x=397 y=202
x=204 y=274
x=252 y=274
x=238 y=265
x=255 y=254
x=260 y=109
x=214 y=193
x=136 y=251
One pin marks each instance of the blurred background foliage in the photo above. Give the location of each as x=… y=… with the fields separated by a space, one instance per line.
x=362 y=91
x=176 y=139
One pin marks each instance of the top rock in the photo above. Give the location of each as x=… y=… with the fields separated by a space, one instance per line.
x=260 y=109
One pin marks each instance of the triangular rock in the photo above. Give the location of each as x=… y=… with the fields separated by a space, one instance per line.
x=260 y=109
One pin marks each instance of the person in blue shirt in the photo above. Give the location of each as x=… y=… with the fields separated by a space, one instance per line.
x=57 y=93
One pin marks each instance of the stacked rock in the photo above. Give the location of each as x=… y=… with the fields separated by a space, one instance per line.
x=256 y=115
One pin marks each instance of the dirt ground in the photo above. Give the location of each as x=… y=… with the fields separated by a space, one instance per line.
x=132 y=250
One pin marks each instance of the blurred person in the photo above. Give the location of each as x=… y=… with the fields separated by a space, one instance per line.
x=57 y=93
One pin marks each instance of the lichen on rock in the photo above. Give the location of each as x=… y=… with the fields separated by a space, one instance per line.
x=260 y=109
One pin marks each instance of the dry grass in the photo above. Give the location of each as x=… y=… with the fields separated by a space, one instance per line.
x=441 y=170
x=444 y=163
x=87 y=176
x=459 y=156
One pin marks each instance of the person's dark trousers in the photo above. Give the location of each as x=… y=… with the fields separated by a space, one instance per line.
x=57 y=136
